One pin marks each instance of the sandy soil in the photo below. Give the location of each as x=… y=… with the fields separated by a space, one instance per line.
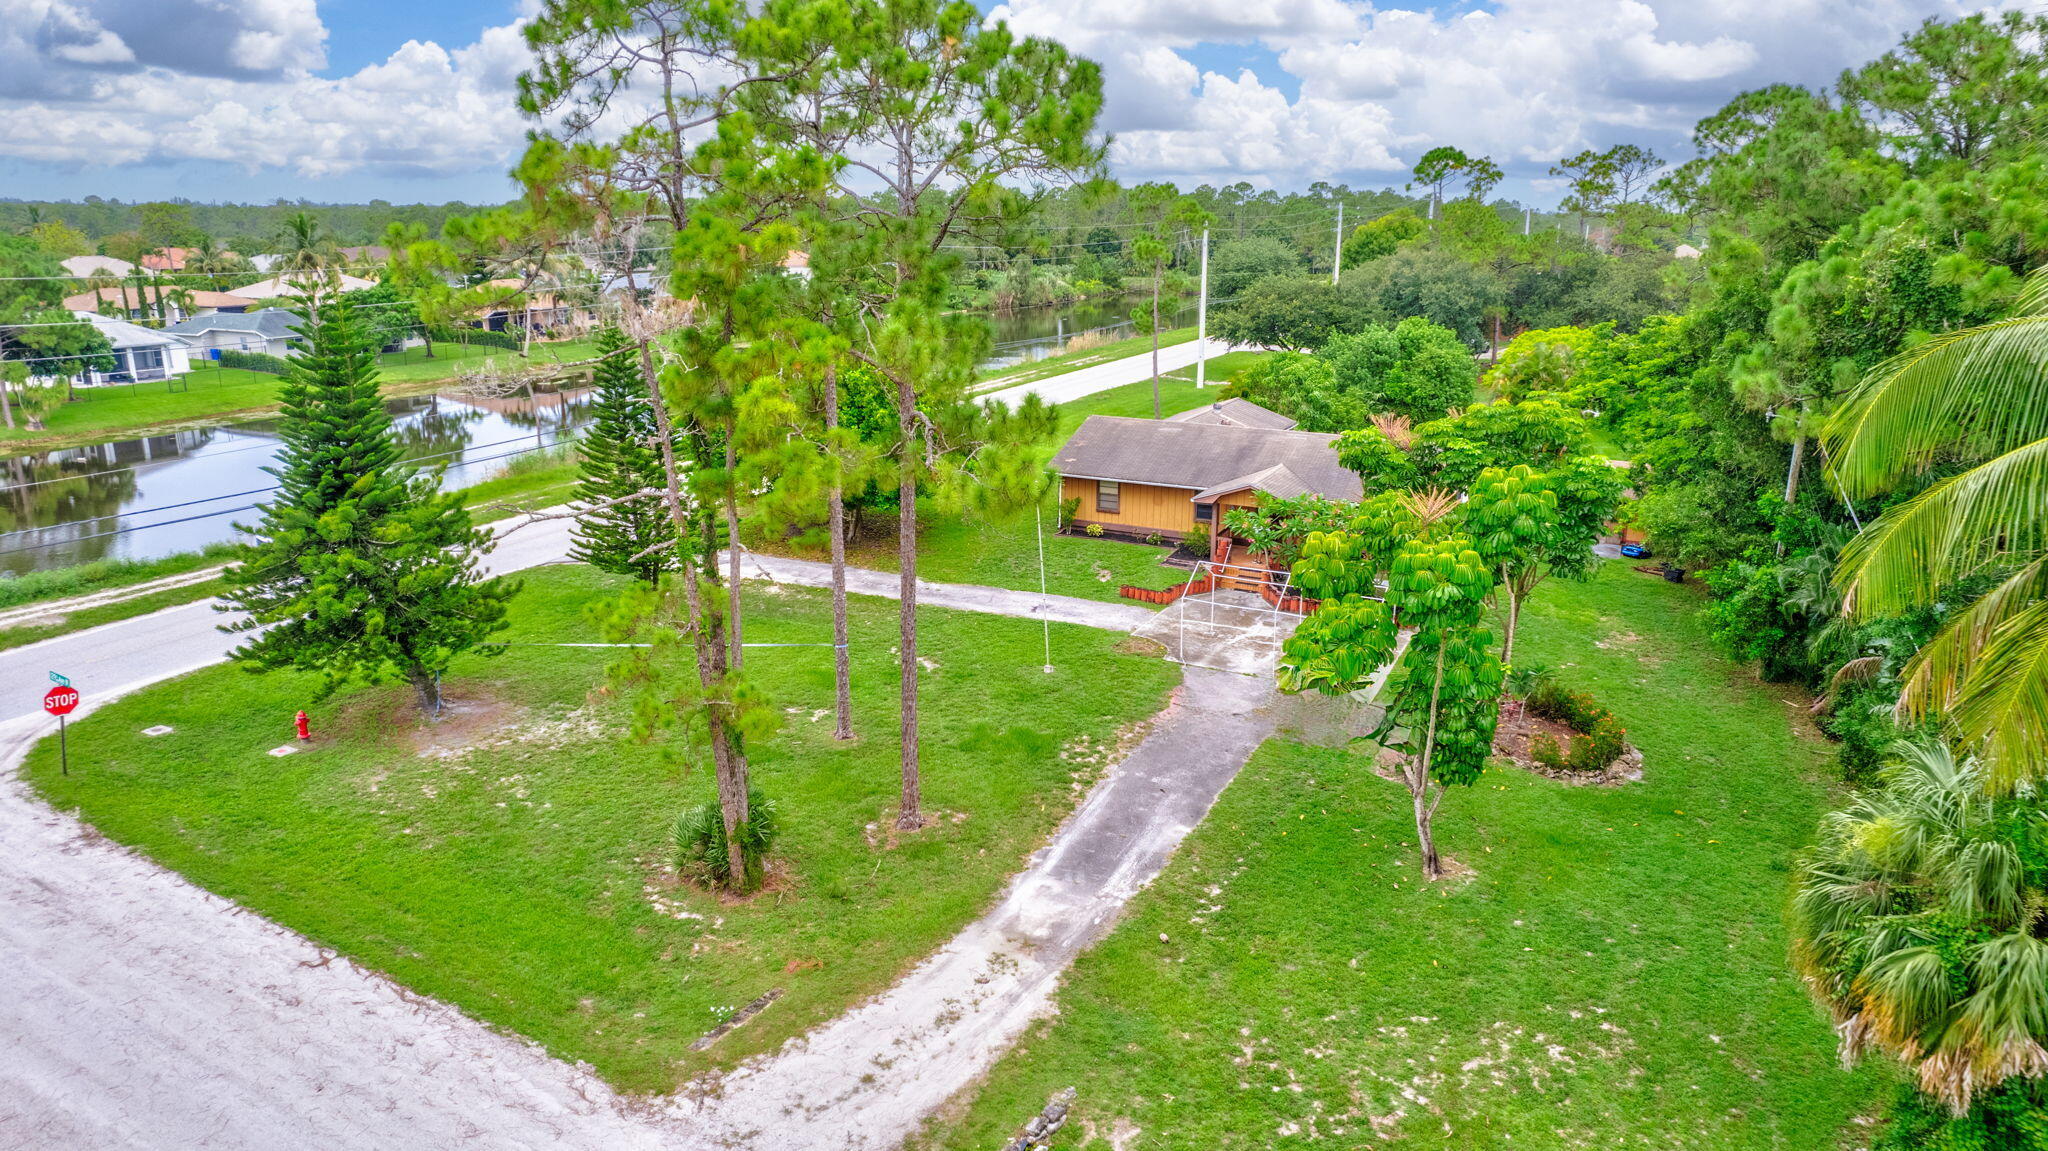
x=140 y=1011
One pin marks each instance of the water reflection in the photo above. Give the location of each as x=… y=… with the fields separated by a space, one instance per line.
x=144 y=498
x=1028 y=334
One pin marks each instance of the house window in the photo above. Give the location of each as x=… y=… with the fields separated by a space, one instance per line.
x=1107 y=496
x=1204 y=513
x=146 y=362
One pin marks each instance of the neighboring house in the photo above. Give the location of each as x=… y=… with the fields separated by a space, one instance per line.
x=139 y=353
x=366 y=254
x=271 y=331
x=1236 y=414
x=265 y=261
x=139 y=302
x=1685 y=252
x=86 y=267
x=797 y=264
x=289 y=285
x=168 y=259
x=1137 y=477
x=536 y=308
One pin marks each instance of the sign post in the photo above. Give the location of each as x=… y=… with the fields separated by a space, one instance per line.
x=59 y=701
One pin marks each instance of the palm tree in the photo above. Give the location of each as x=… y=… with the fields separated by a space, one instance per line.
x=1978 y=394
x=1919 y=920
x=302 y=246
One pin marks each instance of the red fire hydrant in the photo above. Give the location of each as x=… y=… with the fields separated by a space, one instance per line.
x=305 y=731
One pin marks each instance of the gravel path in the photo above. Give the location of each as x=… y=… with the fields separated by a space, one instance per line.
x=143 y=1012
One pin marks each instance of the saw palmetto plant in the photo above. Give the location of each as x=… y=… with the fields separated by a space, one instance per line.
x=1919 y=920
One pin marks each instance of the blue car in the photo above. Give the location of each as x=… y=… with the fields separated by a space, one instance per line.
x=1634 y=551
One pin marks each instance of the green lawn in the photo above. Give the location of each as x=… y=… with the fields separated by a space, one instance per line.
x=1067 y=361
x=1004 y=553
x=1614 y=975
x=509 y=858
x=413 y=365
x=208 y=390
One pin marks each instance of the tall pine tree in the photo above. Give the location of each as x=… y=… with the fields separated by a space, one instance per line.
x=360 y=568
x=620 y=528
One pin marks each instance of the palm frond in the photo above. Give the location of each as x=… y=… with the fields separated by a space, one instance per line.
x=1907 y=998
x=1995 y=513
x=1998 y=1030
x=1859 y=670
x=1983 y=387
x=1930 y=681
x=1983 y=879
x=2001 y=707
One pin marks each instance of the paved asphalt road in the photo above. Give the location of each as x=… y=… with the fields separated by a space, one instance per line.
x=117 y=658
x=1114 y=374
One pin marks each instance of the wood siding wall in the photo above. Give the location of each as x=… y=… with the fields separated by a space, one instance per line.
x=1142 y=508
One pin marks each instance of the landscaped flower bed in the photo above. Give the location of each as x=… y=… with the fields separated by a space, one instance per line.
x=1567 y=735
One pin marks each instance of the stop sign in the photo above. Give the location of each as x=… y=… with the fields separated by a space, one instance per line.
x=60 y=700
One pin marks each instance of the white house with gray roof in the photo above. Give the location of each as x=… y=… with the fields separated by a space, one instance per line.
x=271 y=331
x=140 y=354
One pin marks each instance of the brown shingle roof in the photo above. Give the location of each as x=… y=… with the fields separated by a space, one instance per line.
x=1204 y=457
x=1241 y=412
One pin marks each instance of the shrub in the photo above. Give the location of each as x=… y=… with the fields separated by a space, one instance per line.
x=254 y=362
x=1598 y=739
x=1196 y=542
x=475 y=337
x=700 y=838
x=1156 y=539
x=1069 y=510
x=1094 y=530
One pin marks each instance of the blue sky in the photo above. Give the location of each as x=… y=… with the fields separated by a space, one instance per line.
x=411 y=99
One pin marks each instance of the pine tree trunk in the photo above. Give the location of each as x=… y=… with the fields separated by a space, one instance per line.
x=706 y=636
x=842 y=672
x=428 y=686
x=1792 y=472
x=732 y=541
x=6 y=401
x=909 y=815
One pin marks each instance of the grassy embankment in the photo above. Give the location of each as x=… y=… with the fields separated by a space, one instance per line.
x=999 y=378
x=212 y=393
x=511 y=859
x=1614 y=973
x=536 y=480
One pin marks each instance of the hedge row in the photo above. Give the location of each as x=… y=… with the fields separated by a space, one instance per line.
x=254 y=362
x=475 y=337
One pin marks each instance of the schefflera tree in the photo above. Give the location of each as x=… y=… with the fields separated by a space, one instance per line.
x=1447 y=686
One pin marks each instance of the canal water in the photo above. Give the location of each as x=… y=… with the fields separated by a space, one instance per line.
x=161 y=495
x=1028 y=334
x=179 y=492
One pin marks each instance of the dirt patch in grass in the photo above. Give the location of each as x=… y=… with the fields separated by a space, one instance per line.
x=1138 y=645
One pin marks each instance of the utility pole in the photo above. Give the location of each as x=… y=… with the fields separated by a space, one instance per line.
x=1202 y=320
x=1337 y=254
